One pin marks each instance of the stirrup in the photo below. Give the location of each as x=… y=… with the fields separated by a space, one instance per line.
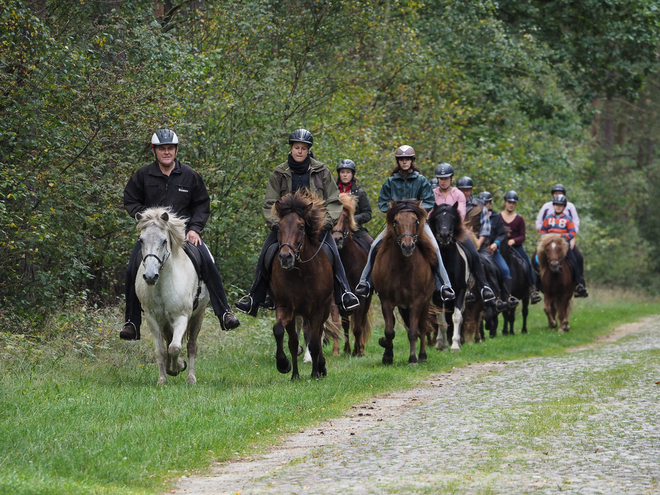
x=447 y=293
x=245 y=304
x=362 y=289
x=489 y=298
x=350 y=305
x=228 y=321
x=535 y=297
x=126 y=334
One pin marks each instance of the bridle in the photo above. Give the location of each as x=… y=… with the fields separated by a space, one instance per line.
x=399 y=238
x=160 y=262
x=344 y=233
x=296 y=251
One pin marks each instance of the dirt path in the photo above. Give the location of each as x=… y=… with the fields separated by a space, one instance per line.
x=458 y=432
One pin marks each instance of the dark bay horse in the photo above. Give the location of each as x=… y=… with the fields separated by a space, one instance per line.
x=301 y=280
x=557 y=281
x=520 y=287
x=354 y=257
x=403 y=276
x=445 y=222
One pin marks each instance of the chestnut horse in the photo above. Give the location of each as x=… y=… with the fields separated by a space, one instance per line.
x=403 y=276
x=557 y=281
x=354 y=257
x=301 y=280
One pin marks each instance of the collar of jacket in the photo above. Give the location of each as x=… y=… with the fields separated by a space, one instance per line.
x=154 y=169
x=414 y=175
x=315 y=166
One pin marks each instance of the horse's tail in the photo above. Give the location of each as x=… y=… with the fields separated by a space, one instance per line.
x=332 y=330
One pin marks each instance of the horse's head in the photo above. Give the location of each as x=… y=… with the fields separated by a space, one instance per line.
x=160 y=233
x=301 y=216
x=551 y=251
x=445 y=222
x=346 y=222
x=405 y=219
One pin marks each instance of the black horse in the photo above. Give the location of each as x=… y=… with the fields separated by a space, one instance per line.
x=447 y=227
x=494 y=279
x=520 y=287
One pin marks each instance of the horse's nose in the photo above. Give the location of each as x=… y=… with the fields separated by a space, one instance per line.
x=554 y=266
x=407 y=248
x=150 y=280
x=286 y=260
x=339 y=242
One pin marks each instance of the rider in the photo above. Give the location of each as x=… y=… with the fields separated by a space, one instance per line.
x=406 y=182
x=514 y=226
x=446 y=194
x=168 y=182
x=570 y=210
x=492 y=244
x=298 y=172
x=477 y=217
x=560 y=223
x=347 y=183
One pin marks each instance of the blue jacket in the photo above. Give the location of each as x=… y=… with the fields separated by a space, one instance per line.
x=414 y=187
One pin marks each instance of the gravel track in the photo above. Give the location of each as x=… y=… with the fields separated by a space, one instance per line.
x=585 y=422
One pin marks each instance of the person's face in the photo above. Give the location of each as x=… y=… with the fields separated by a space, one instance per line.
x=405 y=163
x=510 y=205
x=467 y=193
x=345 y=175
x=299 y=151
x=165 y=154
x=488 y=204
x=559 y=209
x=444 y=183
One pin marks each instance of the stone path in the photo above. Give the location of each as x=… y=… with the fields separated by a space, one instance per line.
x=587 y=422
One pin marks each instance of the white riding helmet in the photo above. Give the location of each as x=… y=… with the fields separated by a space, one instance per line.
x=164 y=136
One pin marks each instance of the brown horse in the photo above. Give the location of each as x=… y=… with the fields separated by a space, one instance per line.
x=403 y=276
x=354 y=257
x=301 y=281
x=557 y=281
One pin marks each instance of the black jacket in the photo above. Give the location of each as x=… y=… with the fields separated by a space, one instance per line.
x=183 y=190
x=497 y=232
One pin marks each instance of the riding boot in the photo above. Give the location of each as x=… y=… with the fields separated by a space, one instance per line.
x=249 y=303
x=365 y=285
x=217 y=294
x=131 y=329
x=477 y=268
x=346 y=301
x=512 y=302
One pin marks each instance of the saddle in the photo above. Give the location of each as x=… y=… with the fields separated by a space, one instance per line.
x=196 y=257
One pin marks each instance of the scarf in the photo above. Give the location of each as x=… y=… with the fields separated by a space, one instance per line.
x=299 y=173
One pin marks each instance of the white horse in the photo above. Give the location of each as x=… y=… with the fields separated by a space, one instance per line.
x=167 y=286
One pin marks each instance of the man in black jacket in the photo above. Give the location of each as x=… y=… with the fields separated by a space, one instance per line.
x=168 y=182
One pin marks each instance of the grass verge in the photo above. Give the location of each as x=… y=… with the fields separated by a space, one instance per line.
x=82 y=413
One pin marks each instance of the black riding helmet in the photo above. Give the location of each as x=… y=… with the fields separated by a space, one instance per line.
x=444 y=170
x=511 y=196
x=433 y=182
x=558 y=188
x=164 y=136
x=301 y=136
x=464 y=182
x=560 y=199
x=347 y=164
x=485 y=196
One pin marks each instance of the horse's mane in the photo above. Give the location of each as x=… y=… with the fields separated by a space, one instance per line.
x=459 y=228
x=543 y=243
x=307 y=205
x=174 y=226
x=424 y=243
x=350 y=203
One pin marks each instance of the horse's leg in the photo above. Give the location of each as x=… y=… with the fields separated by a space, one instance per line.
x=316 y=348
x=194 y=327
x=386 y=341
x=179 y=327
x=293 y=346
x=281 y=360
x=413 y=334
x=563 y=314
x=441 y=342
x=161 y=352
x=335 y=318
x=548 y=304
x=423 y=332
x=346 y=326
x=525 y=312
x=457 y=319
x=305 y=326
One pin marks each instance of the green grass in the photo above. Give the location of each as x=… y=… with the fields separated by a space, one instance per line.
x=84 y=414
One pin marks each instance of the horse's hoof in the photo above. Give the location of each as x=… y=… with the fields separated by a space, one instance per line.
x=388 y=360
x=455 y=349
x=162 y=381
x=191 y=380
x=295 y=376
x=412 y=360
x=284 y=367
x=422 y=357
x=171 y=373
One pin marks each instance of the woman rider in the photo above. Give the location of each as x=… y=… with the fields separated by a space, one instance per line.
x=514 y=225
x=406 y=182
x=298 y=172
x=346 y=183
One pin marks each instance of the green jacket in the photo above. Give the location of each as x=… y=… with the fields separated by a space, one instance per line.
x=414 y=187
x=320 y=181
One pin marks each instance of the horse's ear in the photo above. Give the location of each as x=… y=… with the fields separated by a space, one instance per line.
x=138 y=216
x=418 y=204
x=165 y=217
x=455 y=206
x=392 y=203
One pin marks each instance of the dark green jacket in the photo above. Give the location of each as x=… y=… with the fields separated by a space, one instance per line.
x=414 y=187
x=320 y=181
